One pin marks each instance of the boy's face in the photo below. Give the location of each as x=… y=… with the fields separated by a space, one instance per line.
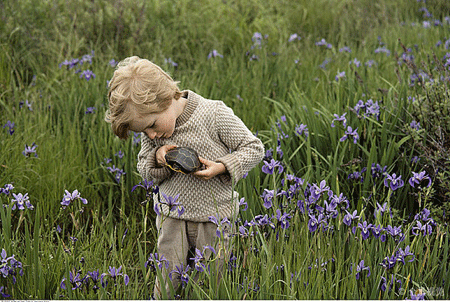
x=157 y=125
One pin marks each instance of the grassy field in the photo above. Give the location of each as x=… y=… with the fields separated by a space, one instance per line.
x=349 y=97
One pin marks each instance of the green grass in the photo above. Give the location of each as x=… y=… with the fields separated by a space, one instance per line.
x=283 y=88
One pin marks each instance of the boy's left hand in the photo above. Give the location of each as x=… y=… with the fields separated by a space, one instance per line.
x=212 y=169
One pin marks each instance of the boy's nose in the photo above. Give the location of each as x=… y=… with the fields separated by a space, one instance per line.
x=151 y=134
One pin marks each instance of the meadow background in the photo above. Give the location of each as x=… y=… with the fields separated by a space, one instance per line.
x=349 y=97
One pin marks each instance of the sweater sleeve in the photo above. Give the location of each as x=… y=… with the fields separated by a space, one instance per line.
x=147 y=162
x=246 y=149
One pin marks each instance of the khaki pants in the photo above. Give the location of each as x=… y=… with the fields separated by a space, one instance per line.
x=176 y=237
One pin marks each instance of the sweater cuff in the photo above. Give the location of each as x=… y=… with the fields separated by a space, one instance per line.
x=157 y=173
x=232 y=165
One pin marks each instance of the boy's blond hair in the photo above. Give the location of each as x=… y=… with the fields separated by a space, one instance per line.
x=138 y=86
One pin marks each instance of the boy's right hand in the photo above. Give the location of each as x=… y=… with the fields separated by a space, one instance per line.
x=161 y=154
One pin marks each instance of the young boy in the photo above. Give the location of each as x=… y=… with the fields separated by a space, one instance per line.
x=143 y=98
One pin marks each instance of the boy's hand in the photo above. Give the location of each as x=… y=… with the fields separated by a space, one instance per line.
x=161 y=154
x=211 y=169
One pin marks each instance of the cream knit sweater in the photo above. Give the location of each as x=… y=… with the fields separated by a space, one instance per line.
x=212 y=129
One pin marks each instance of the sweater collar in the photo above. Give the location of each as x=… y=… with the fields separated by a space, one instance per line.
x=191 y=105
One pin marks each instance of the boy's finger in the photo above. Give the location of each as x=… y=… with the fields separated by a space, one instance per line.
x=201 y=173
x=204 y=161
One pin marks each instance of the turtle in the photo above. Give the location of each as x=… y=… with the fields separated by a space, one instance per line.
x=183 y=159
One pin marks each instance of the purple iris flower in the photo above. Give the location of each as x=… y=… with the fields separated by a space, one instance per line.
x=90 y=110
x=242 y=202
x=389 y=262
x=30 y=150
x=360 y=105
x=416 y=296
x=325 y=63
x=119 y=154
x=350 y=132
x=156 y=260
x=261 y=220
x=208 y=247
x=357 y=175
x=269 y=167
x=220 y=225
x=324 y=43
x=361 y=267
x=279 y=151
x=70 y=64
x=113 y=63
x=119 y=172
x=395 y=182
x=87 y=58
x=345 y=48
x=7 y=189
x=355 y=62
x=340 y=200
x=426 y=228
x=257 y=40
x=424 y=216
x=9 y=265
x=338 y=118
x=70 y=197
x=10 y=125
x=317 y=190
x=302 y=129
x=365 y=229
x=171 y=62
x=394 y=231
x=2 y=292
x=376 y=231
x=314 y=222
x=172 y=203
x=148 y=186
x=243 y=231
x=383 y=50
x=415 y=125
x=75 y=280
x=214 y=53
x=377 y=171
x=198 y=260
x=420 y=179
x=339 y=75
x=330 y=209
x=157 y=208
x=402 y=254
x=115 y=272
x=182 y=273
x=268 y=197
x=384 y=284
x=269 y=154
x=95 y=277
x=372 y=109
x=283 y=219
x=26 y=103
x=380 y=209
x=136 y=138
x=87 y=74
x=294 y=37
x=370 y=63
x=20 y=201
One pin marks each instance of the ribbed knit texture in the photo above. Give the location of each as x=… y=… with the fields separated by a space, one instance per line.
x=212 y=129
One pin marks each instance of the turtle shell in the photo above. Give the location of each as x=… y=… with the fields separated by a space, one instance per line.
x=183 y=159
